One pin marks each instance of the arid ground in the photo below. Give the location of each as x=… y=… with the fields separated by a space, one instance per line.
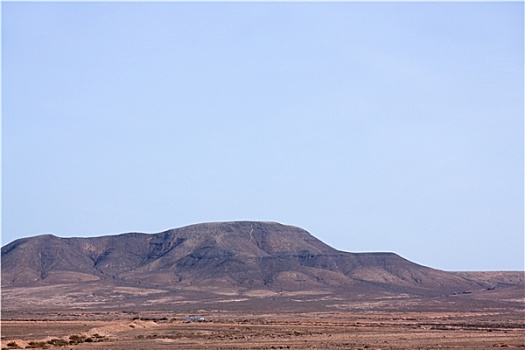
x=337 y=330
x=423 y=325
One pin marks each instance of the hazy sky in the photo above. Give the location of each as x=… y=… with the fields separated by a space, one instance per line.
x=374 y=126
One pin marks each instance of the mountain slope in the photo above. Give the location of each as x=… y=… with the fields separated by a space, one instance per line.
x=250 y=255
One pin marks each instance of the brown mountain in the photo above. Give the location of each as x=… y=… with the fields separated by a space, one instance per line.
x=242 y=255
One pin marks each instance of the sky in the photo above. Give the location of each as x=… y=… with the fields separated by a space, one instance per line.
x=375 y=126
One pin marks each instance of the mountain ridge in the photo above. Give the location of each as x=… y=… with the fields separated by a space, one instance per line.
x=238 y=254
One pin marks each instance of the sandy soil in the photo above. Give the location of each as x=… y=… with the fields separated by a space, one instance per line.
x=138 y=319
x=326 y=330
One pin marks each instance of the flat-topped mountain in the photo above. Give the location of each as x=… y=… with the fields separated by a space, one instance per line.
x=248 y=255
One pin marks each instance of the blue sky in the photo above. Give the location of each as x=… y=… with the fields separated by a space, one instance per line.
x=375 y=126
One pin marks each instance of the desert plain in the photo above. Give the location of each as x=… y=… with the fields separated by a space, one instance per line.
x=291 y=321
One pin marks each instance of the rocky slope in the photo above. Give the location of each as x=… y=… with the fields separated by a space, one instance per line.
x=248 y=255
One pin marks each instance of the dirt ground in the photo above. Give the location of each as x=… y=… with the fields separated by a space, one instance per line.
x=314 y=330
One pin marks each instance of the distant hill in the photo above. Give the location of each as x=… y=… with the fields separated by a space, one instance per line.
x=247 y=255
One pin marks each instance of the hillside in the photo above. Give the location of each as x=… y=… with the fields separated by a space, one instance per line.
x=246 y=255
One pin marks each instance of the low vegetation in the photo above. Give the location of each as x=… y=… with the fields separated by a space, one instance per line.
x=13 y=345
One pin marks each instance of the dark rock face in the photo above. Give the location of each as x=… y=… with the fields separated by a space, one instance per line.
x=234 y=254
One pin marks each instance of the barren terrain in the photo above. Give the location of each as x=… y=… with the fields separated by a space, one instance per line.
x=245 y=285
x=310 y=330
x=295 y=320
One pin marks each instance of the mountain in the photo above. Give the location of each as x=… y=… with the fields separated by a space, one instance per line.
x=244 y=255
